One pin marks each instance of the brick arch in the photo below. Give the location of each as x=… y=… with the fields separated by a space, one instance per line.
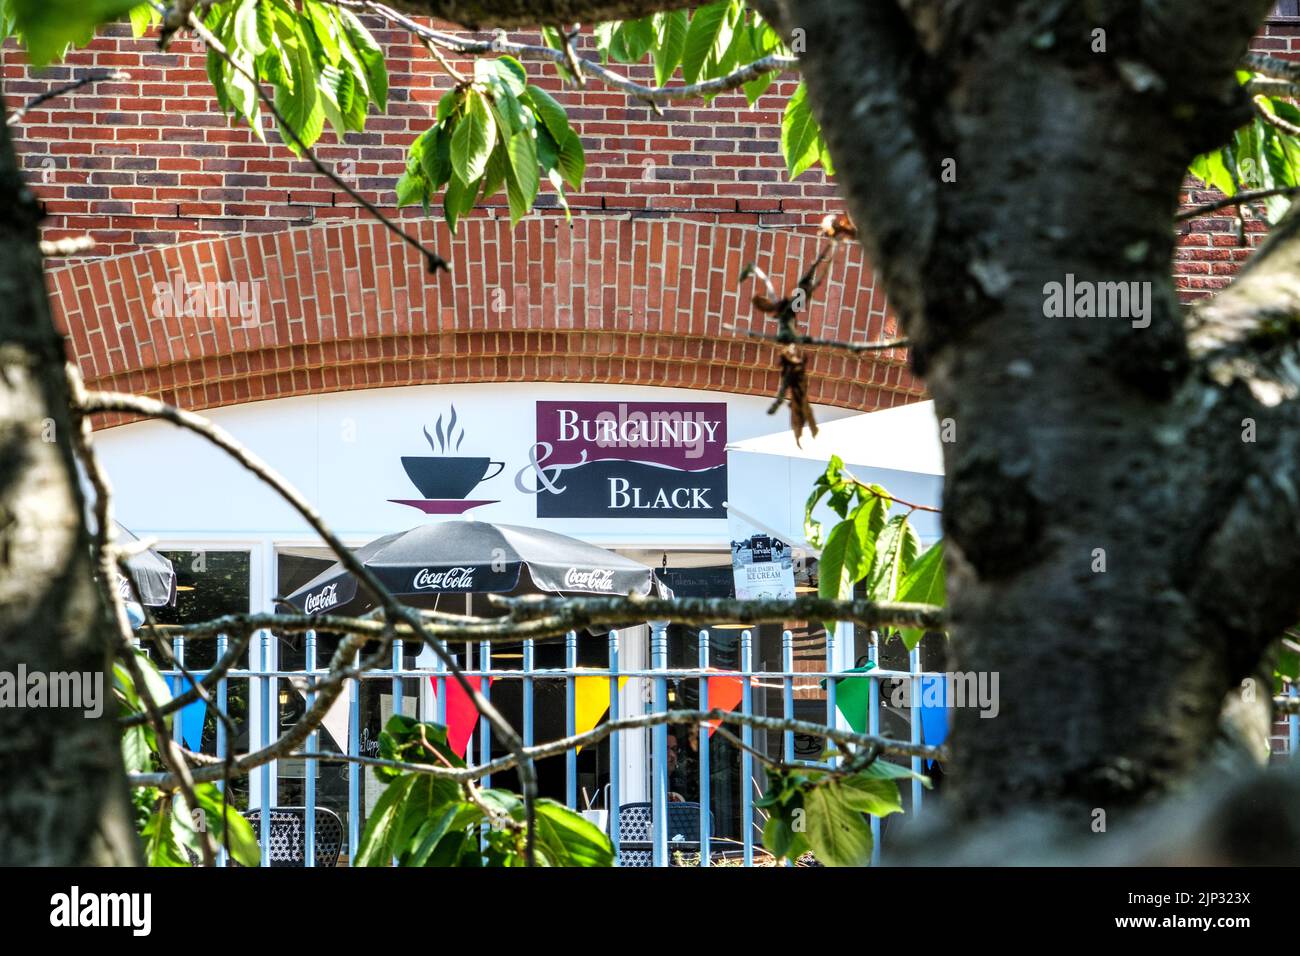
x=347 y=305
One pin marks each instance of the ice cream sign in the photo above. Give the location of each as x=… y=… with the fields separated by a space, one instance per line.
x=628 y=460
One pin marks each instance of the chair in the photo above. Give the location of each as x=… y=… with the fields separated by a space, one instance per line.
x=635 y=826
x=289 y=835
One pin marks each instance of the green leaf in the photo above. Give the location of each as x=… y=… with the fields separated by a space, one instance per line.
x=435 y=157
x=433 y=830
x=572 y=159
x=888 y=770
x=243 y=843
x=923 y=584
x=875 y=795
x=370 y=54
x=425 y=800
x=569 y=838
x=48 y=27
x=758 y=86
x=412 y=188
x=142 y=18
x=839 y=835
x=555 y=40
x=322 y=25
x=161 y=846
x=604 y=34
x=896 y=549
x=702 y=38
x=633 y=39
x=155 y=683
x=298 y=100
x=850 y=551
x=136 y=752
x=458 y=199
x=378 y=845
x=522 y=178
x=245 y=34
x=671 y=28
x=472 y=140
x=495 y=177
x=551 y=113
x=799 y=133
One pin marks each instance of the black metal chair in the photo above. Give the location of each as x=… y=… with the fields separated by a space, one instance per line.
x=289 y=835
x=635 y=843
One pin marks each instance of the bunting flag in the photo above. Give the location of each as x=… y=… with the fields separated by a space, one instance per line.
x=725 y=693
x=338 y=718
x=191 y=715
x=934 y=716
x=462 y=715
x=852 y=695
x=590 y=702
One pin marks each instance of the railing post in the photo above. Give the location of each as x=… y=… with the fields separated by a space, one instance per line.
x=397 y=677
x=659 y=738
x=1295 y=725
x=832 y=720
x=268 y=705
x=747 y=737
x=484 y=688
x=309 y=765
x=706 y=801
x=178 y=687
x=787 y=700
x=615 y=795
x=528 y=692
x=355 y=770
x=570 y=719
x=914 y=660
x=873 y=728
x=223 y=698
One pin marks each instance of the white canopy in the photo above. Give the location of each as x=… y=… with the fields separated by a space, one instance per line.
x=904 y=438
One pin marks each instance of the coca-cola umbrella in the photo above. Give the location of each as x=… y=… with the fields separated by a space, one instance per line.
x=474 y=557
x=154 y=575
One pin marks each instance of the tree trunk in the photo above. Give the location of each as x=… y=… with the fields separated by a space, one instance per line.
x=1105 y=518
x=63 y=796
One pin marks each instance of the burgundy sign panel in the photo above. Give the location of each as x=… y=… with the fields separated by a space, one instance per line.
x=631 y=459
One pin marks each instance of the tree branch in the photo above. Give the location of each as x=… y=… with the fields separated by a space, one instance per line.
x=433 y=261
x=17 y=115
x=862 y=72
x=655 y=95
x=476 y=14
x=1249 y=332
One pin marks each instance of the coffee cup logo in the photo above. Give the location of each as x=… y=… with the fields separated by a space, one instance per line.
x=445 y=478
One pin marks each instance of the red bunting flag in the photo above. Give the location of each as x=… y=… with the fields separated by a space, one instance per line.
x=462 y=715
x=725 y=693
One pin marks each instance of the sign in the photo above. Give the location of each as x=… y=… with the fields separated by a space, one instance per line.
x=628 y=460
x=763 y=565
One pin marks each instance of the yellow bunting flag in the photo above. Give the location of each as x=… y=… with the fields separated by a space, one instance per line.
x=590 y=701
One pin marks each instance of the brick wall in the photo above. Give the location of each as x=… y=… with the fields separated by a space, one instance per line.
x=151 y=160
x=148 y=164
x=638 y=290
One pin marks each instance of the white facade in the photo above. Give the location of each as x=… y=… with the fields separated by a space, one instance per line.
x=343 y=451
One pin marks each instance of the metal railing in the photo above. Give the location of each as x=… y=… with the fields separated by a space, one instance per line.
x=659 y=675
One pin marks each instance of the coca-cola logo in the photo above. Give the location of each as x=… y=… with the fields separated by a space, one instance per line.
x=327 y=597
x=452 y=579
x=598 y=579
